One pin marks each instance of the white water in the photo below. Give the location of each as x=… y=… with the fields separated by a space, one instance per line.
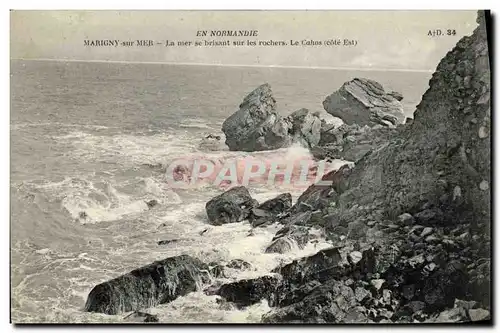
x=119 y=232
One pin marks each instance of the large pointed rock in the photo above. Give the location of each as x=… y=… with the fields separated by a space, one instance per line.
x=257 y=125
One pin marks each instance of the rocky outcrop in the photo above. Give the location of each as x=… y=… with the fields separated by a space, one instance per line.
x=421 y=201
x=157 y=283
x=257 y=125
x=365 y=102
x=234 y=205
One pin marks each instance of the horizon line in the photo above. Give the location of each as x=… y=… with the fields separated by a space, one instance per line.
x=227 y=65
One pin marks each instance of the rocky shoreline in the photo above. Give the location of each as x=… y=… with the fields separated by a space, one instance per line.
x=409 y=221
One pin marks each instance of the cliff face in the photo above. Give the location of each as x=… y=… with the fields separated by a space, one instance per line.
x=443 y=157
x=415 y=209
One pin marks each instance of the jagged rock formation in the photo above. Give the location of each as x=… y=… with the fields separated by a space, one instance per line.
x=257 y=125
x=157 y=283
x=422 y=202
x=365 y=102
x=234 y=205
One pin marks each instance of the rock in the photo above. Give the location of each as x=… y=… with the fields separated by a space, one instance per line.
x=151 y=203
x=167 y=241
x=332 y=302
x=156 y=283
x=306 y=127
x=377 y=283
x=323 y=265
x=281 y=245
x=257 y=125
x=355 y=257
x=278 y=205
x=398 y=96
x=351 y=142
x=250 y=291
x=364 y=102
x=467 y=305
x=416 y=306
x=270 y=210
x=429 y=216
x=426 y=232
x=362 y=294
x=231 y=206
x=141 y=317
x=406 y=219
x=455 y=315
x=432 y=239
x=216 y=270
x=238 y=264
x=479 y=314
x=212 y=143
x=288 y=238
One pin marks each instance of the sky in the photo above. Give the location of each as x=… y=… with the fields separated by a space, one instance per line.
x=385 y=39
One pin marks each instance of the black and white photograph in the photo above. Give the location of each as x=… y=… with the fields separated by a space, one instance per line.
x=251 y=167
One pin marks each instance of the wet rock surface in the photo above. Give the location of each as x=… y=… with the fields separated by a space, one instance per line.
x=234 y=205
x=270 y=210
x=140 y=317
x=157 y=283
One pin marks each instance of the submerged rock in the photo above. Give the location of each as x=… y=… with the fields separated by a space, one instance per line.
x=231 y=206
x=156 y=283
x=238 y=264
x=212 y=143
x=141 y=317
x=365 y=102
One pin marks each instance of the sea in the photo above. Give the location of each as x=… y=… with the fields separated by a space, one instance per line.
x=89 y=146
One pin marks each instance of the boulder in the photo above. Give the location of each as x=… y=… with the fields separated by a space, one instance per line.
x=257 y=125
x=270 y=210
x=365 y=102
x=323 y=265
x=234 y=205
x=249 y=291
x=156 y=283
